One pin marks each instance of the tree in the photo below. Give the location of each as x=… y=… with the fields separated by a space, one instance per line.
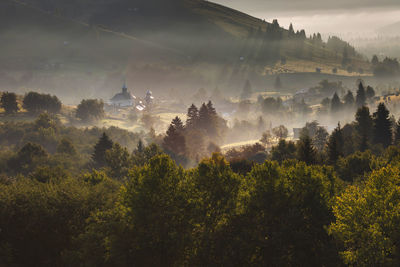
x=364 y=127
x=174 y=141
x=99 y=154
x=90 y=110
x=66 y=147
x=397 y=133
x=192 y=117
x=305 y=150
x=336 y=104
x=370 y=92
x=360 y=98
x=375 y=60
x=349 y=100
x=266 y=138
x=320 y=138
x=281 y=132
x=118 y=161
x=178 y=124
x=291 y=30
x=9 y=103
x=335 y=145
x=151 y=226
x=247 y=90
x=36 y=103
x=382 y=126
x=367 y=220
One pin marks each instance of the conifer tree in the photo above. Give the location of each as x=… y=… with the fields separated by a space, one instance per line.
x=192 y=117
x=382 y=126
x=178 y=124
x=360 y=98
x=174 y=141
x=99 y=154
x=335 y=145
x=364 y=126
x=370 y=92
x=349 y=100
x=305 y=150
x=336 y=104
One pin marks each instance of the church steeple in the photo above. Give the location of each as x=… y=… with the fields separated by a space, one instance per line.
x=124 y=88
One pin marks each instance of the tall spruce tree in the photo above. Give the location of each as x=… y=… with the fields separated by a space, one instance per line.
x=382 y=126
x=99 y=154
x=336 y=104
x=305 y=150
x=192 y=117
x=364 y=127
x=178 y=124
x=361 y=97
x=174 y=141
x=335 y=145
x=349 y=100
x=370 y=92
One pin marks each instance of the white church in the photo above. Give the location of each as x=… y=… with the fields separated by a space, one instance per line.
x=124 y=99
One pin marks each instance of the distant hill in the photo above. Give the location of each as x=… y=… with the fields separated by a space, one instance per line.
x=67 y=45
x=391 y=30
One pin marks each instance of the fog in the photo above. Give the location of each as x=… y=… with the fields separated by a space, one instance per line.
x=343 y=18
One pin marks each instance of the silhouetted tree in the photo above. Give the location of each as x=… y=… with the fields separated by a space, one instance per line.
x=174 y=141
x=36 y=103
x=90 y=109
x=335 y=145
x=382 y=126
x=192 y=117
x=336 y=104
x=99 y=154
x=349 y=100
x=360 y=98
x=364 y=127
x=370 y=92
x=375 y=60
x=305 y=150
x=9 y=103
x=281 y=132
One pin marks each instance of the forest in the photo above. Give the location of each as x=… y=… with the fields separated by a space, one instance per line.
x=90 y=196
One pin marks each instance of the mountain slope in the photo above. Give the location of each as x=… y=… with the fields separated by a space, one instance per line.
x=156 y=43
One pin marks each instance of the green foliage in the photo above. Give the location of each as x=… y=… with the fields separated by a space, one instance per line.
x=36 y=103
x=382 y=126
x=90 y=110
x=8 y=101
x=118 y=161
x=287 y=209
x=100 y=149
x=367 y=220
x=361 y=97
x=305 y=150
x=65 y=146
x=283 y=151
x=355 y=166
x=43 y=219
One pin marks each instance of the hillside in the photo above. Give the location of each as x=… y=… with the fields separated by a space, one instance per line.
x=64 y=46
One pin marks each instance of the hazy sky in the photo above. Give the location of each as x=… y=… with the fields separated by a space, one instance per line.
x=343 y=17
